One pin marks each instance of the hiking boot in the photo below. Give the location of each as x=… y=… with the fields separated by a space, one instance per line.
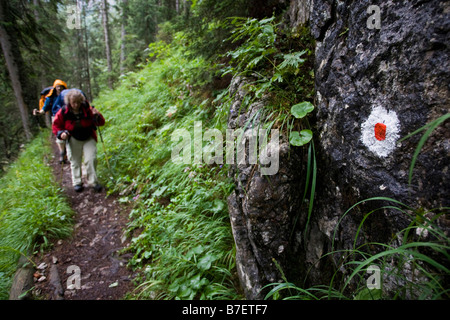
x=98 y=188
x=78 y=188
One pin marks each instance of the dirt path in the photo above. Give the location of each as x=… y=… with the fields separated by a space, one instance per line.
x=92 y=251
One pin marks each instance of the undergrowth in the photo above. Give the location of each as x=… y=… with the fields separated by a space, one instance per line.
x=33 y=209
x=278 y=65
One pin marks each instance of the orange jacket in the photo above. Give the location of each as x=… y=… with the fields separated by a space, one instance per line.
x=43 y=99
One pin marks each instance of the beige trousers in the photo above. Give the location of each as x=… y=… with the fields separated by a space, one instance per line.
x=76 y=149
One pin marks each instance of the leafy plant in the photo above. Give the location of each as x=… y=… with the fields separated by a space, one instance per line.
x=300 y=138
x=300 y=110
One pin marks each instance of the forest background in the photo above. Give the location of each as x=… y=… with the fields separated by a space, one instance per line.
x=92 y=44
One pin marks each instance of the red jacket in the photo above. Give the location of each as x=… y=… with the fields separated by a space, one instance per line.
x=65 y=120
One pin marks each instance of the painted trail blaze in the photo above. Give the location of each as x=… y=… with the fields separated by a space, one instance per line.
x=380 y=131
x=374 y=131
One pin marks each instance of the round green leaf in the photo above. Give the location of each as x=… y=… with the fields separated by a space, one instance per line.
x=300 y=138
x=294 y=138
x=300 y=110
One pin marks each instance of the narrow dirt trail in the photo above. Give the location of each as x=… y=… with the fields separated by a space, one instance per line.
x=92 y=250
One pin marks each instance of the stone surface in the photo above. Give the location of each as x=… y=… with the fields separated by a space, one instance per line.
x=263 y=207
x=55 y=284
x=23 y=280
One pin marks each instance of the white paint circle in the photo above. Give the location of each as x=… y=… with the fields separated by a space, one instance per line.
x=389 y=118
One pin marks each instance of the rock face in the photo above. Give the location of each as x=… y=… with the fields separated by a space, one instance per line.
x=382 y=72
x=263 y=207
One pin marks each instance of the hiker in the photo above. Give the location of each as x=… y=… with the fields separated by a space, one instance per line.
x=75 y=123
x=58 y=87
x=59 y=101
x=49 y=105
x=58 y=104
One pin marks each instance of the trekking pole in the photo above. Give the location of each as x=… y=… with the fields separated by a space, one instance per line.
x=62 y=162
x=62 y=172
x=104 y=149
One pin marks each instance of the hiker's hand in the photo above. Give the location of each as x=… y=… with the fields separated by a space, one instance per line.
x=64 y=136
x=36 y=112
x=95 y=111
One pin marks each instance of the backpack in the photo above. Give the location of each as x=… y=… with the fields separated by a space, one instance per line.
x=47 y=92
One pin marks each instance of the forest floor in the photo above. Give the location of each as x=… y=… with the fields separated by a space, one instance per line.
x=92 y=252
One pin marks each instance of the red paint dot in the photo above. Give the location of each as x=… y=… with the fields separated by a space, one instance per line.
x=380 y=131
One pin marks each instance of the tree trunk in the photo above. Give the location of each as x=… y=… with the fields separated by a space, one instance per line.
x=86 y=60
x=42 y=81
x=104 y=10
x=123 y=35
x=187 y=9
x=79 y=52
x=13 y=70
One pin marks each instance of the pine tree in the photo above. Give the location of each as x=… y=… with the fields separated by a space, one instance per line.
x=13 y=61
x=104 y=11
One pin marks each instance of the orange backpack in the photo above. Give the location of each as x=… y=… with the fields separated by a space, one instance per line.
x=47 y=92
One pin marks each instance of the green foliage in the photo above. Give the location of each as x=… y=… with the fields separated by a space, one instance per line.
x=33 y=209
x=413 y=267
x=407 y=253
x=300 y=111
x=259 y=38
x=279 y=68
x=186 y=245
x=35 y=50
x=181 y=235
x=207 y=28
x=10 y=126
x=300 y=138
x=280 y=73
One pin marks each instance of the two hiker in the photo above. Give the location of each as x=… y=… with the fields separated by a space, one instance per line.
x=75 y=124
x=52 y=104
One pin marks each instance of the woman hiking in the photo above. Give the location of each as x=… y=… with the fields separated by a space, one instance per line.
x=49 y=105
x=75 y=123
